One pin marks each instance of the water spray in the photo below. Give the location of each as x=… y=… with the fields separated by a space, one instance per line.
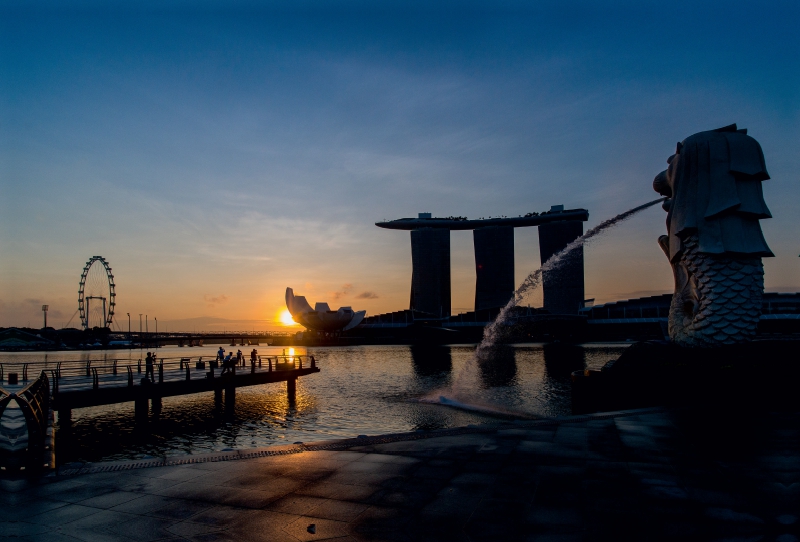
x=493 y=332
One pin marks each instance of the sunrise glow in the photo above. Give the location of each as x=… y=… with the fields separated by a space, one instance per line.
x=286 y=319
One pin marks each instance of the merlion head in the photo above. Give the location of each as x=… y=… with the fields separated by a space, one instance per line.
x=714 y=184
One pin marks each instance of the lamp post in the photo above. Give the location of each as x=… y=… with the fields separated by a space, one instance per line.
x=129 y=327
x=146 y=330
x=156 y=319
x=140 y=330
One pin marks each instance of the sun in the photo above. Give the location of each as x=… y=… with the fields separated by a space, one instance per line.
x=286 y=319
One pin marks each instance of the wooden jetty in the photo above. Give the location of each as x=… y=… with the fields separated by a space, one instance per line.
x=26 y=432
x=91 y=383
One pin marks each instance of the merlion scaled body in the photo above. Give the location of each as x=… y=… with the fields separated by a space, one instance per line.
x=714 y=240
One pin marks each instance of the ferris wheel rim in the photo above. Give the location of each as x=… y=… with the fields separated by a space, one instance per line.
x=109 y=317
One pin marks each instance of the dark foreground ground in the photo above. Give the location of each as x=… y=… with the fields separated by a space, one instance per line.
x=654 y=474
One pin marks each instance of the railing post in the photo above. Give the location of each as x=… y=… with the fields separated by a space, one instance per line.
x=161 y=371
x=139 y=366
x=187 y=371
x=88 y=368
x=270 y=364
x=95 y=379
x=114 y=368
x=259 y=361
x=55 y=381
x=130 y=377
x=25 y=372
x=58 y=369
x=252 y=367
x=301 y=361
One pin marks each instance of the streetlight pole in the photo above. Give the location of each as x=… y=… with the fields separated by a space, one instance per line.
x=129 y=330
x=146 y=330
x=156 y=319
x=140 y=330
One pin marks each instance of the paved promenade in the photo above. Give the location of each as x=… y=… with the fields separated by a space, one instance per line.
x=638 y=475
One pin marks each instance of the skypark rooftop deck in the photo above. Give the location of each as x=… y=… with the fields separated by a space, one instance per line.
x=458 y=223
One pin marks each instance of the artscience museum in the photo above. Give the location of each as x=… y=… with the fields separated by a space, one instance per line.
x=321 y=317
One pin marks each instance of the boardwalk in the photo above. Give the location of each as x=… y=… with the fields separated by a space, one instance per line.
x=88 y=384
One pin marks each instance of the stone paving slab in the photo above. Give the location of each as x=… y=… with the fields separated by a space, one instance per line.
x=654 y=474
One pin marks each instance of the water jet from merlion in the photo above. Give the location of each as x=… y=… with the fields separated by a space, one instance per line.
x=458 y=394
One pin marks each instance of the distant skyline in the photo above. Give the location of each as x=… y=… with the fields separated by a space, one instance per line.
x=216 y=153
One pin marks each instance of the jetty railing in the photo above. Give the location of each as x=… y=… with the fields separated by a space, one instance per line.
x=34 y=402
x=125 y=371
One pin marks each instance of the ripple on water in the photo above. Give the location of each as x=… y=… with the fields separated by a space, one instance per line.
x=361 y=390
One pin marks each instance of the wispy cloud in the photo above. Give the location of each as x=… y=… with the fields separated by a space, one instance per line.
x=215 y=300
x=346 y=289
x=367 y=295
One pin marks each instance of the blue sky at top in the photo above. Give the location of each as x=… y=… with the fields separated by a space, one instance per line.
x=217 y=154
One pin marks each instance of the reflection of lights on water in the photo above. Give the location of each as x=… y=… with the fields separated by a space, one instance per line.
x=291 y=351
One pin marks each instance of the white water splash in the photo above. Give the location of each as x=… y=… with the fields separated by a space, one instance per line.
x=494 y=331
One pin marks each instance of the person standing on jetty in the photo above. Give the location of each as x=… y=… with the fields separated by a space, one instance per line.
x=148 y=367
x=220 y=354
x=227 y=364
x=239 y=358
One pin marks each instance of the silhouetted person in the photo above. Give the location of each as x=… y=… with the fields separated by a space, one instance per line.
x=148 y=367
x=239 y=358
x=253 y=355
x=227 y=364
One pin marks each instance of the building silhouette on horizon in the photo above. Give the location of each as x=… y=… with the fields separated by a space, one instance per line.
x=493 y=238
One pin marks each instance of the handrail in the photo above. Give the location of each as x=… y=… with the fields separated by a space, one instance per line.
x=64 y=372
x=34 y=402
x=5 y=398
x=55 y=375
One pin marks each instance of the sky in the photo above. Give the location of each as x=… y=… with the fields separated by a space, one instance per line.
x=216 y=153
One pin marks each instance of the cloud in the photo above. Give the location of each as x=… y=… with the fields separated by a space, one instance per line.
x=367 y=295
x=216 y=300
x=346 y=289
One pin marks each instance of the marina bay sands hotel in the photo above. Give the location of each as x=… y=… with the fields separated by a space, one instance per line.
x=563 y=289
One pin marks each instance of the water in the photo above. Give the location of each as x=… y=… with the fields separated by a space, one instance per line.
x=460 y=393
x=360 y=390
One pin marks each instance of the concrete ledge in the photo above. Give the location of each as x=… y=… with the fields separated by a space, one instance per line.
x=340 y=444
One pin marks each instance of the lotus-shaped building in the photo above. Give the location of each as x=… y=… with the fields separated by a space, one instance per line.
x=321 y=317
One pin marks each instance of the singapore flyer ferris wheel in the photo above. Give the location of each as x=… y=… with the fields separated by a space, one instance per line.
x=96 y=296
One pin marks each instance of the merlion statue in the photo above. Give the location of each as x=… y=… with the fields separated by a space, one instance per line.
x=714 y=240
